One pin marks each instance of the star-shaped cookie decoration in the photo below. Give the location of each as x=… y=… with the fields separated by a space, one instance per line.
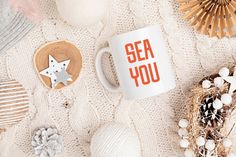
x=54 y=67
x=62 y=77
x=232 y=81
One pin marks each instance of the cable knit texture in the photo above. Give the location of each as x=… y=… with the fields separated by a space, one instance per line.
x=80 y=109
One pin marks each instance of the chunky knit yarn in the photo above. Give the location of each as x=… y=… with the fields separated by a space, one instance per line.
x=13 y=26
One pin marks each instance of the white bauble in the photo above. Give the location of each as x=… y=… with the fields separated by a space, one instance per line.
x=226 y=99
x=224 y=72
x=219 y=82
x=183 y=123
x=184 y=143
x=217 y=104
x=210 y=145
x=115 y=140
x=82 y=12
x=200 y=141
x=188 y=153
x=206 y=84
x=227 y=143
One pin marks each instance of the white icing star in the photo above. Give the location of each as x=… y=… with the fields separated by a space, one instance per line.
x=54 y=67
x=232 y=81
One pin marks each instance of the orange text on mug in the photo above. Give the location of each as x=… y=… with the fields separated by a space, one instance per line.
x=143 y=74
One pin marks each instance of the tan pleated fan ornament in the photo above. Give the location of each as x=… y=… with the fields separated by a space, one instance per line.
x=14 y=103
x=211 y=17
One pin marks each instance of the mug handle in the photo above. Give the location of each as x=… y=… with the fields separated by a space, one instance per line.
x=100 y=73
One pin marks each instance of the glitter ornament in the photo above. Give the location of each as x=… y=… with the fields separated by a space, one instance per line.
x=206 y=84
x=183 y=123
x=226 y=99
x=200 y=141
x=210 y=145
x=184 y=143
x=188 y=153
x=219 y=82
x=224 y=72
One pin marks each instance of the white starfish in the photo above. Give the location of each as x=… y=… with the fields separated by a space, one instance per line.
x=54 y=67
x=232 y=81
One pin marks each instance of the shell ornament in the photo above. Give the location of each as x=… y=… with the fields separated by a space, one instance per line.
x=211 y=17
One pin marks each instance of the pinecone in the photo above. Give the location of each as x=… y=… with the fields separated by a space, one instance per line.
x=47 y=142
x=209 y=116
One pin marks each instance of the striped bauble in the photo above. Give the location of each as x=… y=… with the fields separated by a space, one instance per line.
x=14 y=103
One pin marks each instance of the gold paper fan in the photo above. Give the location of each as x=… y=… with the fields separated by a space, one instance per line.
x=211 y=17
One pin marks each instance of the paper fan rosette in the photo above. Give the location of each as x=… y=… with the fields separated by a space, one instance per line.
x=211 y=17
x=209 y=128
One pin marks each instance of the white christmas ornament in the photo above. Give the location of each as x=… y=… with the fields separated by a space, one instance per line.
x=82 y=12
x=184 y=143
x=219 y=82
x=188 y=153
x=232 y=81
x=226 y=99
x=227 y=143
x=224 y=72
x=183 y=123
x=231 y=155
x=115 y=140
x=217 y=104
x=54 y=70
x=210 y=145
x=183 y=132
x=206 y=84
x=200 y=141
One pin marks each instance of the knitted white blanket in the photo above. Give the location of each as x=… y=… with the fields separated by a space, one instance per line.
x=90 y=105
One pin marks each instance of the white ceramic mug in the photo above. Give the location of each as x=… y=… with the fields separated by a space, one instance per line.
x=142 y=63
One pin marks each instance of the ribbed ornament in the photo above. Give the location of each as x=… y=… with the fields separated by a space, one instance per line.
x=211 y=17
x=14 y=103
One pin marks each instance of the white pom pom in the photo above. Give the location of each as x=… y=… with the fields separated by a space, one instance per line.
x=183 y=132
x=217 y=104
x=210 y=145
x=188 y=153
x=184 y=143
x=231 y=155
x=114 y=140
x=206 y=84
x=227 y=143
x=200 y=141
x=183 y=123
x=224 y=72
x=82 y=12
x=226 y=99
x=219 y=82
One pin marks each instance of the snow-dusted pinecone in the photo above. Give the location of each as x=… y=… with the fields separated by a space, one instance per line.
x=47 y=142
